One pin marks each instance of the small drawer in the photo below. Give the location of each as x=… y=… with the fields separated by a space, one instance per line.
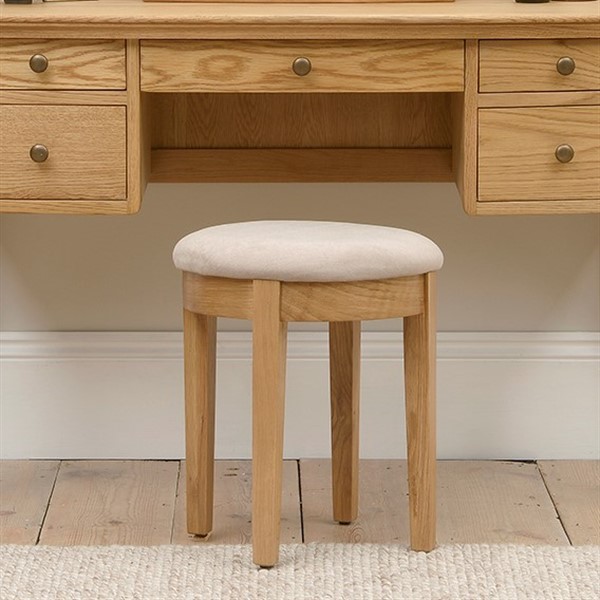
x=62 y=65
x=550 y=153
x=539 y=65
x=302 y=66
x=63 y=152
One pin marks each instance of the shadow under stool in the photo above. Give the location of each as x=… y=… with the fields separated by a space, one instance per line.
x=274 y=272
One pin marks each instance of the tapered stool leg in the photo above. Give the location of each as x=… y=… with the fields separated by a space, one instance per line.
x=419 y=373
x=199 y=333
x=344 y=372
x=268 y=391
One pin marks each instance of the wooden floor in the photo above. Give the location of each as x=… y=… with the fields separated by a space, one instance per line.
x=142 y=503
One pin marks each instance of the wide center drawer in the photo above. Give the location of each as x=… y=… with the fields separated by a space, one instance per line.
x=539 y=65
x=302 y=66
x=63 y=152
x=62 y=64
x=545 y=153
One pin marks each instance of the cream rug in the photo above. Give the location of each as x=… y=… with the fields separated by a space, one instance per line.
x=306 y=572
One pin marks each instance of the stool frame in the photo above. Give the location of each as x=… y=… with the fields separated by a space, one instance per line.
x=271 y=305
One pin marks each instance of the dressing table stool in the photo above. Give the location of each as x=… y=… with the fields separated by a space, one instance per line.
x=273 y=272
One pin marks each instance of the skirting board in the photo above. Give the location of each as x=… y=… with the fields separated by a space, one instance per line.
x=120 y=395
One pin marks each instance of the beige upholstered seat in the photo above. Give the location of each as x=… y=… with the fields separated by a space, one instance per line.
x=276 y=272
x=306 y=251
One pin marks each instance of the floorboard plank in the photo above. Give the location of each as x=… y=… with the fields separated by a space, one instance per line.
x=25 y=488
x=575 y=488
x=382 y=508
x=112 y=502
x=232 y=509
x=495 y=503
x=478 y=502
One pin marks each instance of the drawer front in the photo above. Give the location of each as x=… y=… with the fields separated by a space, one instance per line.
x=533 y=65
x=86 y=152
x=518 y=153
x=62 y=64
x=344 y=66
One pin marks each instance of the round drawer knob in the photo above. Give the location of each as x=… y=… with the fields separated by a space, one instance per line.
x=38 y=153
x=38 y=63
x=565 y=65
x=301 y=66
x=564 y=153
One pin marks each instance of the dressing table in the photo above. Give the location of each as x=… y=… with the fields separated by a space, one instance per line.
x=99 y=98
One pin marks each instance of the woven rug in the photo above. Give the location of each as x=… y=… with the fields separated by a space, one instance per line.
x=306 y=572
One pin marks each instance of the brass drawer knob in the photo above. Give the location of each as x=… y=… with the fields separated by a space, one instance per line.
x=301 y=66
x=38 y=63
x=38 y=153
x=565 y=65
x=564 y=153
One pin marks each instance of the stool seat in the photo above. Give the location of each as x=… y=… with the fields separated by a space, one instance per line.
x=314 y=251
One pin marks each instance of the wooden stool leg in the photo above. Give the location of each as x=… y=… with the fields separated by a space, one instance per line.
x=200 y=336
x=268 y=390
x=344 y=360
x=419 y=373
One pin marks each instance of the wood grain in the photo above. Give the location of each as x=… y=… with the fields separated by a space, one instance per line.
x=344 y=376
x=61 y=97
x=86 y=161
x=200 y=362
x=462 y=19
x=269 y=343
x=464 y=133
x=383 y=505
x=290 y=120
x=352 y=300
x=76 y=206
x=266 y=66
x=530 y=65
x=420 y=398
x=111 y=502
x=479 y=502
x=218 y=296
x=233 y=505
x=535 y=173
x=499 y=100
x=301 y=165
x=488 y=502
x=72 y=65
x=25 y=489
x=574 y=486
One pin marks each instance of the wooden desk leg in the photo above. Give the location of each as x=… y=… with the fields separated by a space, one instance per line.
x=344 y=371
x=200 y=337
x=419 y=373
x=268 y=391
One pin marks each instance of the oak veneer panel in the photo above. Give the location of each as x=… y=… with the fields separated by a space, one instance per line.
x=87 y=152
x=530 y=65
x=72 y=64
x=232 y=506
x=516 y=153
x=411 y=120
x=478 y=502
x=25 y=489
x=112 y=502
x=575 y=489
x=266 y=66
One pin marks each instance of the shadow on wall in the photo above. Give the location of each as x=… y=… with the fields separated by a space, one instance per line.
x=115 y=273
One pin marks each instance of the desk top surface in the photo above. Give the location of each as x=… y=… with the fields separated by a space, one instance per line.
x=135 y=18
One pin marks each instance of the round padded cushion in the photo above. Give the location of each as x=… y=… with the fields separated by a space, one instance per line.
x=306 y=251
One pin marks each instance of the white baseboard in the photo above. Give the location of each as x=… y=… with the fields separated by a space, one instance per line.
x=120 y=395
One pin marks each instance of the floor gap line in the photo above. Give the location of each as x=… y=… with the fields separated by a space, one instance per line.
x=553 y=503
x=300 y=499
x=43 y=521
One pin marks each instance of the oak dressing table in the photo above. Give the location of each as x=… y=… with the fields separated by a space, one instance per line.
x=99 y=98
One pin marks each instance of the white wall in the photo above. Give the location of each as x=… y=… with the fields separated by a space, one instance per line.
x=502 y=274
